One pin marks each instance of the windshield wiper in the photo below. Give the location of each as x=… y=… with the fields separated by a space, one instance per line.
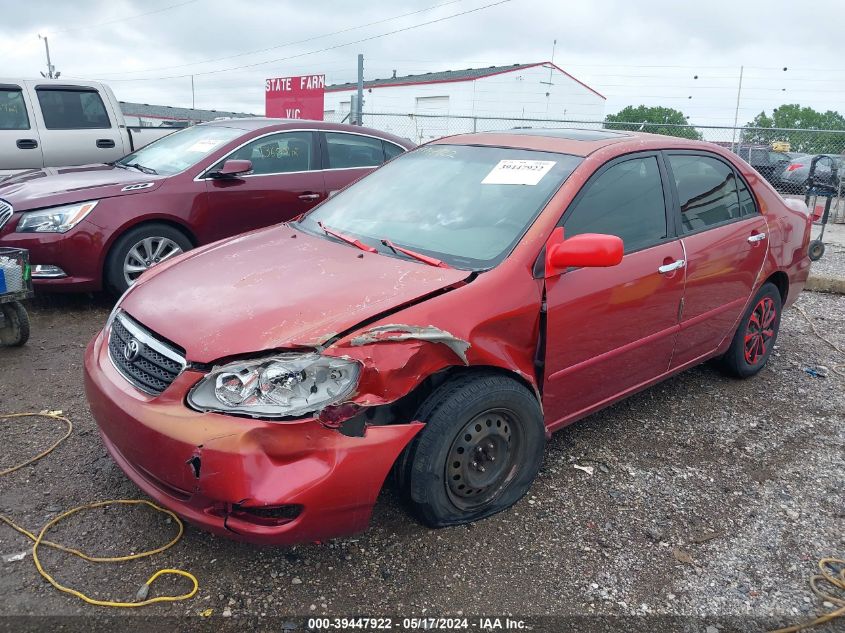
x=431 y=261
x=141 y=168
x=347 y=238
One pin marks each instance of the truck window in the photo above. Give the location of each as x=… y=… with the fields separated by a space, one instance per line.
x=65 y=109
x=13 y=114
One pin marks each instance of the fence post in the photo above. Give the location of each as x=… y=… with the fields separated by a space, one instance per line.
x=474 y=124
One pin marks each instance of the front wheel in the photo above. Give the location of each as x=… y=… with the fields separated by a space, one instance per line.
x=481 y=448
x=138 y=250
x=756 y=334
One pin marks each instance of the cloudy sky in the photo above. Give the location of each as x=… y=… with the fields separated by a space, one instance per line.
x=647 y=52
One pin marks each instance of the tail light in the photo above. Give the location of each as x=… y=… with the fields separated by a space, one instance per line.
x=794 y=166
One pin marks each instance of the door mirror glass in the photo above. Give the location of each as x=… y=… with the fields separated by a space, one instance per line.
x=584 y=250
x=232 y=169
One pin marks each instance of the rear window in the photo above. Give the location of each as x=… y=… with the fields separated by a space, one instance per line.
x=13 y=114
x=72 y=109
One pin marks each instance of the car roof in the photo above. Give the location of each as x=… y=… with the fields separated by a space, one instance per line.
x=251 y=124
x=574 y=141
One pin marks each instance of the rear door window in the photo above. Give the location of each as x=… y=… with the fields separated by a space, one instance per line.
x=746 y=200
x=13 y=114
x=707 y=191
x=627 y=201
x=352 y=150
x=65 y=109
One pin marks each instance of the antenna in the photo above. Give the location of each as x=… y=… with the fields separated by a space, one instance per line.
x=51 y=70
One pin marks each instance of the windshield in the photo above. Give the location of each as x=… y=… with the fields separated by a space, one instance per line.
x=178 y=151
x=465 y=205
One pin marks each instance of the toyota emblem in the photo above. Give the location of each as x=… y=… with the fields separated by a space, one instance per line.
x=131 y=350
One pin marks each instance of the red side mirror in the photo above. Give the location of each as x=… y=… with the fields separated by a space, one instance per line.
x=233 y=168
x=585 y=250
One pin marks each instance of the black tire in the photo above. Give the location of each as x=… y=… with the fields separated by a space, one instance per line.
x=815 y=250
x=511 y=428
x=16 y=329
x=746 y=358
x=114 y=274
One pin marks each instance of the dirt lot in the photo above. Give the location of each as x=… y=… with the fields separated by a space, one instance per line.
x=741 y=480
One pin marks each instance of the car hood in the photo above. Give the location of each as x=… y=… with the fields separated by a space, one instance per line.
x=52 y=186
x=275 y=288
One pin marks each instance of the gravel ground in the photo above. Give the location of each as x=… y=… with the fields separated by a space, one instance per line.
x=832 y=263
x=710 y=500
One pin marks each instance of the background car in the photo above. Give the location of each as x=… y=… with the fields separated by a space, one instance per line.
x=793 y=179
x=439 y=317
x=765 y=160
x=103 y=225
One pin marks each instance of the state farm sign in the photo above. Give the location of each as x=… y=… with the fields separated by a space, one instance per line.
x=295 y=97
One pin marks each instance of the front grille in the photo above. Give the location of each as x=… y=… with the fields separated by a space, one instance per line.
x=5 y=212
x=147 y=362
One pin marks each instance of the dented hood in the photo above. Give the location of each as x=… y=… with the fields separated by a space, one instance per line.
x=274 y=288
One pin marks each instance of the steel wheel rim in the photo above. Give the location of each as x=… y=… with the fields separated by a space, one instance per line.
x=760 y=331
x=147 y=253
x=482 y=460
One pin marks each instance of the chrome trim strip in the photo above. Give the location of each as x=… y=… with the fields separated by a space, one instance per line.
x=203 y=175
x=149 y=341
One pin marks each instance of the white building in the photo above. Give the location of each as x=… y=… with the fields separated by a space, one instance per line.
x=435 y=104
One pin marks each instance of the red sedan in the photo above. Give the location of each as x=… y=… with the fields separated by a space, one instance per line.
x=438 y=318
x=103 y=225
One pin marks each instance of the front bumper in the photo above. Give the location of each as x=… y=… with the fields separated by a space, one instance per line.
x=215 y=470
x=78 y=253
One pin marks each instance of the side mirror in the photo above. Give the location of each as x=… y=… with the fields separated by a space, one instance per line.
x=585 y=250
x=232 y=169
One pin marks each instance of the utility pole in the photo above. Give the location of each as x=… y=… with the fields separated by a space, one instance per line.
x=51 y=70
x=359 y=105
x=736 y=113
x=193 y=95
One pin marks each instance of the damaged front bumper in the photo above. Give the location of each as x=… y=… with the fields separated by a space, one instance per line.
x=263 y=482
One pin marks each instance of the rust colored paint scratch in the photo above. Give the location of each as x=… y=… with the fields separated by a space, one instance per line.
x=394 y=332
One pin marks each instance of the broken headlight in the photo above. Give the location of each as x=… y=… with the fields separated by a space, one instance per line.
x=283 y=385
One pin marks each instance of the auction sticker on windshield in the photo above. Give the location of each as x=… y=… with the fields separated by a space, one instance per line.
x=518 y=172
x=205 y=145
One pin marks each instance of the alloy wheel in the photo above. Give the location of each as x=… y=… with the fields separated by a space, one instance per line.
x=146 y=254
x=760 y=330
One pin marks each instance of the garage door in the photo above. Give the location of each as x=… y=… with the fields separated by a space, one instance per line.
x=436 y=125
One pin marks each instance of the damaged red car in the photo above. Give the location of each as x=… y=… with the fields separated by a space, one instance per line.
x=438 y=319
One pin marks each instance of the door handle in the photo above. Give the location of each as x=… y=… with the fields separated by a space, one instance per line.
x=26 y=143
x=309 y=196
x=105 y=143
x=668 y=268
x=757 y=237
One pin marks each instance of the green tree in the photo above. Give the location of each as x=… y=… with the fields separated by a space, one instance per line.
x=652 y=119
x=823 y=139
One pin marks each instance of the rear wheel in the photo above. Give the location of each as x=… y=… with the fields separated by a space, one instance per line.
x=138 y=250
x=481 y=448
x=756 y=334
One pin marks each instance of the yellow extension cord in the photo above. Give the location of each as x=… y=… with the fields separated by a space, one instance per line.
x=39 y=540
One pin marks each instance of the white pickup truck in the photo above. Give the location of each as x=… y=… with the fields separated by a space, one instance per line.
x=57 y=123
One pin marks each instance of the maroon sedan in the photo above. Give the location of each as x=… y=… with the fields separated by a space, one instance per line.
x=440 y=318
x=100 y=226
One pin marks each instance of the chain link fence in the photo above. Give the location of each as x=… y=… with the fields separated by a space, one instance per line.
x=781 y=155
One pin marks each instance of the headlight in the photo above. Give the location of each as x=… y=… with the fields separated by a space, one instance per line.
x=278 y=386
x=55 y=220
